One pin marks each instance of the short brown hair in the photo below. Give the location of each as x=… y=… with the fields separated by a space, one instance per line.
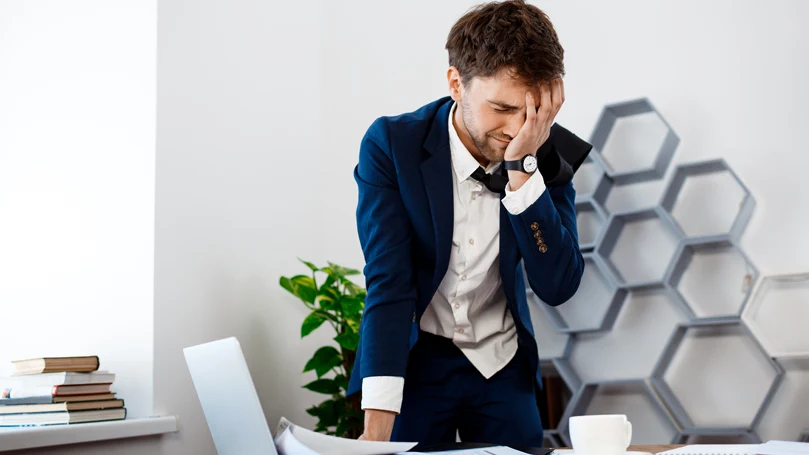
x=510 y=34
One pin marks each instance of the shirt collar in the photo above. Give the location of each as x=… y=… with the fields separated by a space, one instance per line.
x=463 y=163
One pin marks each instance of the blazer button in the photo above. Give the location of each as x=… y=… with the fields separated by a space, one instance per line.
x=540 y=241
x=543 y=248
x=535 y=226
x=537 y=235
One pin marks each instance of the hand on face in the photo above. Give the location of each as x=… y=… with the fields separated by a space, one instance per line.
x=536 y=129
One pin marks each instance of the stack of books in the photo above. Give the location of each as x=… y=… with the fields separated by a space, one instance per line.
x=58 y=391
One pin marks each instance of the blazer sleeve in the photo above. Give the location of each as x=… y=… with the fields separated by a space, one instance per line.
x=385 y=233
x=547 y=237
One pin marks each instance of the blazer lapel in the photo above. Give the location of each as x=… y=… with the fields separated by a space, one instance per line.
x=436 y=171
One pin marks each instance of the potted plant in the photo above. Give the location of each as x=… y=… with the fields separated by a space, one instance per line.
x=338 y=302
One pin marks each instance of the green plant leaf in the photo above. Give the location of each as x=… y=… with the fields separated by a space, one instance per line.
x=326 y=412
x=304 y=288
x=329 y=298
x=311 y=266
x=353 y=289
x=330 y=280
x=327 y=386
x=352 y=306
x=324 y=360
x=342 y=271
x=342 y=428
x=287 y=284
x=341 y=381
x=311 y=323
x=348 y=340
x=353 y=323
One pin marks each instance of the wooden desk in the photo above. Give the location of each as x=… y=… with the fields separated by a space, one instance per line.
x=654 y=448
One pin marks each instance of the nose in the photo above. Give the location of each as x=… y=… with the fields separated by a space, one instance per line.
x=514 y=124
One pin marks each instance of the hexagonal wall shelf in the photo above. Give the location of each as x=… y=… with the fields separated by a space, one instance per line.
x=630 y=350
x=616 y=197
x=551 y=439
x=704 y=371
x=594 y=306
x=638 y=246
x=590 y=221
x=551 y=343
x=777 y=315
x=650 y=419
x=559 y=387
x=587 y=177
x=707 y=198
x=714 y=278
x=785 y=416
x=633 y=141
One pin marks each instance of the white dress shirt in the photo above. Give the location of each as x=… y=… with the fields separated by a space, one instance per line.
x=469 y=306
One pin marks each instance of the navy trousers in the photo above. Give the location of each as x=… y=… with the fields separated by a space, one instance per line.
x=445 y=393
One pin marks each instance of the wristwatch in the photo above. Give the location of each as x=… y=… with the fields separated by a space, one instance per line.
x=527 y=164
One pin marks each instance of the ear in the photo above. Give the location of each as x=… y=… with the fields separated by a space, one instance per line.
x=455 y=84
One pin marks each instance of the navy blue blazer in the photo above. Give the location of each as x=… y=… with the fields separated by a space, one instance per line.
x=405 y=222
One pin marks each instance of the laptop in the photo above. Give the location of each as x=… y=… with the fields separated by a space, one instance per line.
x=229 y=398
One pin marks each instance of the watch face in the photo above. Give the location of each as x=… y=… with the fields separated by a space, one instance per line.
x=530 y=163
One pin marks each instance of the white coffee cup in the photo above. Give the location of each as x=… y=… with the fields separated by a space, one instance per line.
x=600 y=434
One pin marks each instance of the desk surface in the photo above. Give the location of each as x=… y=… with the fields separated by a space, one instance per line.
x=654 y=448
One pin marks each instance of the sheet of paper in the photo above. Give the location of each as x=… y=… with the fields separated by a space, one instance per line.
x=323 y=444
x=287 y=444
x=499 y=450
x=571 y=452
x=783 y=448
x=715 y=449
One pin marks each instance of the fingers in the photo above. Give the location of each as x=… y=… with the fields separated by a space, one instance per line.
x=545 y=105
x=530 y=108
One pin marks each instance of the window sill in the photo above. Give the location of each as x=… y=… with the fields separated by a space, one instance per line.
x=56 y=435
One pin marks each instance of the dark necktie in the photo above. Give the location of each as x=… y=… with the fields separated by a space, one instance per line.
x=496 y=183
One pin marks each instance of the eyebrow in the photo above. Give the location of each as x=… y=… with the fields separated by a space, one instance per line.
x=504 y=105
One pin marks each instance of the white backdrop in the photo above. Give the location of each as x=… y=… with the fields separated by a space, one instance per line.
x=77 y=157
x=261 y=106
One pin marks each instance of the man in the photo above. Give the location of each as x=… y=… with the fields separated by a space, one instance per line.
x=446 y=341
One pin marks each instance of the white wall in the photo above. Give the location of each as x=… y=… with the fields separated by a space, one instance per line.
x=77 y=114
x=261 y=108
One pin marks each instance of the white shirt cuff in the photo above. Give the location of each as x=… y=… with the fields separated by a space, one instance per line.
x=517 y=201
x=383 y=393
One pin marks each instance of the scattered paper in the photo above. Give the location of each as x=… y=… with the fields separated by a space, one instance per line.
x=294 y=440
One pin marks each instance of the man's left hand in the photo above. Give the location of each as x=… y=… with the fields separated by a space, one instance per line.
x=536 y=129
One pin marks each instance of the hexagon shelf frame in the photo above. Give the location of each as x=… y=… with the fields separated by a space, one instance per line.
x=595 y=183
x=588 y=176
x=785 y=416
x=777 y=314
x=728 y=374
x=595 y=305
x=591 y=221
x=571 y=382
x=607 y=136
x=630 y=349
x=664 y=237
x=638 y=397
x=728 y=268
x=698 y=170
